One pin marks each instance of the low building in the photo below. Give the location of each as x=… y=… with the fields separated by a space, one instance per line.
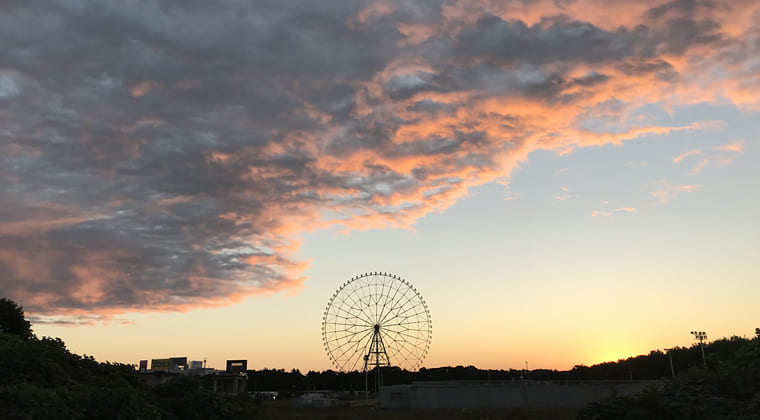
x=226 y=382
x=233 y=380
x=472 y=394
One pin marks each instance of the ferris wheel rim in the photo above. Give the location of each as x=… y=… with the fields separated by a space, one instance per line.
x=406 y=325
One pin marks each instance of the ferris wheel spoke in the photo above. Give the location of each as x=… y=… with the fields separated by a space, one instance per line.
x=407 y=336
x=361 y=306
x=366 y=300
x=401 y=345
x=349 y=328
x=372 y=300
x=342 y=339
x=345 y=351
x=412 y=306
x=353 y=315
x=388 y=298
x=355 y=360
x=347 y=325
x=351 y=345
x=407 y=333
x=358 y=308
x=421 y=321
x=376 y=298
x=334 y=318
x=411 y=347
x=400 y=304
x=344 y=334
x=416 y=336
x=401 y=313
x=385 y=296
x=411 y=351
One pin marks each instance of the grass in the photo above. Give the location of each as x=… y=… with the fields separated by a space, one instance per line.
x=286 y=410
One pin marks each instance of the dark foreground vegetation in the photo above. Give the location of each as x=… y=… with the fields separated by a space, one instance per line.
x=728 y=388
x=41 y=379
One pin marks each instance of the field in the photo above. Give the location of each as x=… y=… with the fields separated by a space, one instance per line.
x=286 y=410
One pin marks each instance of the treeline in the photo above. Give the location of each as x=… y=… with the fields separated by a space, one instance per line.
x=728 y=388
x=41 y=379
x=652 y=366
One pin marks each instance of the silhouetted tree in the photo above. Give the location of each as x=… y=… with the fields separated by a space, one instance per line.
x=12 y=319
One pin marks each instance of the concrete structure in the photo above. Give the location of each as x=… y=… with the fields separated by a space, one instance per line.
x=233 y=380
x=471 y=394
x=177 y=364
x=228 y=383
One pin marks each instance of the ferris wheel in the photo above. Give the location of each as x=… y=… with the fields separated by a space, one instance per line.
x=375 y=320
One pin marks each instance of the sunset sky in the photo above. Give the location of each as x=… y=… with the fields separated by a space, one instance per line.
x=564 y=181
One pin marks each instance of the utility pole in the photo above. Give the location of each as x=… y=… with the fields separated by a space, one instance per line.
x=670 y=357
x=701 y=336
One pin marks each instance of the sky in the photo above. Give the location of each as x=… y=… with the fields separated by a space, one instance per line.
x=564 y=182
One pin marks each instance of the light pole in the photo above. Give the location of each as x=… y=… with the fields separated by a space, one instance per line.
x=670 y=357
x=701 y=336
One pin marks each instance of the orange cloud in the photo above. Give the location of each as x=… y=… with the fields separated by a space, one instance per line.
x=681 y=157
x=27 y=227
x=737 y=146
x=665 y=190
x=712 y=157
x=597 y=213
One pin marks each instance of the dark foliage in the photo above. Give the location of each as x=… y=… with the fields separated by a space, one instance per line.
x=42 y=379
x=12 y=319
x=729 y=388
x=185 y=398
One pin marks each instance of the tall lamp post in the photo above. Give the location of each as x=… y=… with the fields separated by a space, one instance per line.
x=670 y=357
x=701 y=336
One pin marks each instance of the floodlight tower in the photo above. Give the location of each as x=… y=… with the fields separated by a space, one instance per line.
x=701 y=336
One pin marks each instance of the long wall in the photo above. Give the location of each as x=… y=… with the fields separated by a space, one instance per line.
x=426 y=395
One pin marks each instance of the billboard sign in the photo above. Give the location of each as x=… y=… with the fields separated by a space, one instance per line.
x=237 y=365
x=159 y=364
x=177 y=363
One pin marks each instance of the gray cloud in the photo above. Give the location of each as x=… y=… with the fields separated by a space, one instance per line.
x=164 y=156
